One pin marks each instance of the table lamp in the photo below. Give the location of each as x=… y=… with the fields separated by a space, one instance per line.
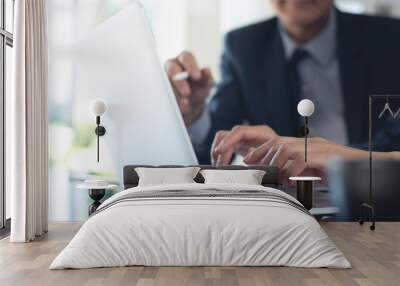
x=98 y=107
x=306 y=108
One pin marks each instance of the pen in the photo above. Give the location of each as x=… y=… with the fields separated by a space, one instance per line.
x=181 y=76
x=185 y=75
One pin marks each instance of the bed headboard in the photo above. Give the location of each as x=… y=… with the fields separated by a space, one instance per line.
x=271 y=178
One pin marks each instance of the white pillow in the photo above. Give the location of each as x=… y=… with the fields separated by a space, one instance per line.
x=248 y=177
x=163 y=176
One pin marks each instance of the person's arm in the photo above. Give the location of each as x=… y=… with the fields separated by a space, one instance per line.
x=395 y=155
x=226 y=108
x=385 y=140
x=199 y=129
x=381 y=55
x=191 y=91
x=288 y=155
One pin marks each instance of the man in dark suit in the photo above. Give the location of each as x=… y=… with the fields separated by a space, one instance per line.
x=310 y=50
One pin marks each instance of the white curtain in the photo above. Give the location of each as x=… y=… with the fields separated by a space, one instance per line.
x=28 y=150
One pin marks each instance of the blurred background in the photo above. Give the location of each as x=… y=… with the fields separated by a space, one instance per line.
x=195 y=25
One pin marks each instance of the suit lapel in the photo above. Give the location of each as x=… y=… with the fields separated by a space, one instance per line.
x=353 y=75
x=274 y=77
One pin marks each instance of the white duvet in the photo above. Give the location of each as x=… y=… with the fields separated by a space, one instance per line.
x=200 y=231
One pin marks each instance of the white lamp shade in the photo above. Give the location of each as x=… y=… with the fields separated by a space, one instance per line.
x=306 y=107
x=97 y=107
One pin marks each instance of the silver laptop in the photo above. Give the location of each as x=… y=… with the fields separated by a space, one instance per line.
x=118 y=62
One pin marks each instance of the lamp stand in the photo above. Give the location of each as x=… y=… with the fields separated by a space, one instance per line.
x=99 y=131
x=305 y=137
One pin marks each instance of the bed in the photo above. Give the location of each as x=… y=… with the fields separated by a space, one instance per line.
x=198 y=224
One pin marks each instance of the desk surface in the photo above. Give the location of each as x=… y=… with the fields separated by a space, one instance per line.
x=375 y=257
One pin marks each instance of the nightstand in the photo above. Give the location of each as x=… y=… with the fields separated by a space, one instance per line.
x=97 y=190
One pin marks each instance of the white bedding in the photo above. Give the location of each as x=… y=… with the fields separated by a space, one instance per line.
x=183 y=231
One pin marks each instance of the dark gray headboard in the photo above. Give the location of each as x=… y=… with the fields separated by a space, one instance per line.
x=271 y=178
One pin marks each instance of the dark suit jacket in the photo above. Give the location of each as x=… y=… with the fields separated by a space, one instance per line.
x=253 y=88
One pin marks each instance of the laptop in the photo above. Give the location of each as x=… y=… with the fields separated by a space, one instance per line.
x=118 y=62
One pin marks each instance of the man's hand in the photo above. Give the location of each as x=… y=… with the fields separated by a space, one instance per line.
x=191 y=93
x=288 y=155
x=240 y=140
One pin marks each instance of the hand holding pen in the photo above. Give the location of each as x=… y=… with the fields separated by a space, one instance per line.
x=191 y=85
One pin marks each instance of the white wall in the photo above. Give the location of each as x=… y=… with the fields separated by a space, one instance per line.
x=386 y=7
x=203 y=36
x=236 y=13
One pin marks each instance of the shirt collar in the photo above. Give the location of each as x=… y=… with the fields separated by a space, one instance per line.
x=322 y=47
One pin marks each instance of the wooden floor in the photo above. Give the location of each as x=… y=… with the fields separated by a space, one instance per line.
x=375 y=257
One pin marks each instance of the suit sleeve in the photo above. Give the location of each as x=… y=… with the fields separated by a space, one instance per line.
x=226 y=107
x=386 y=61
x=385 y=140
x=388 y=139
x=382 y=56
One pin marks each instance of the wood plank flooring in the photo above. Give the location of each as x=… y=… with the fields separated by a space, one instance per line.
x=375 y=257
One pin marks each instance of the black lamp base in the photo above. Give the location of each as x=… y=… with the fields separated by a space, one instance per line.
x=305 y=193
x=96 y=195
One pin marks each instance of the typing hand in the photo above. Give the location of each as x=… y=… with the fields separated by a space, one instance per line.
x=191 y=92
x=240 y=140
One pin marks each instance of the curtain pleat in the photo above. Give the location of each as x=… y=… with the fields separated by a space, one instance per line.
x=29 y=158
